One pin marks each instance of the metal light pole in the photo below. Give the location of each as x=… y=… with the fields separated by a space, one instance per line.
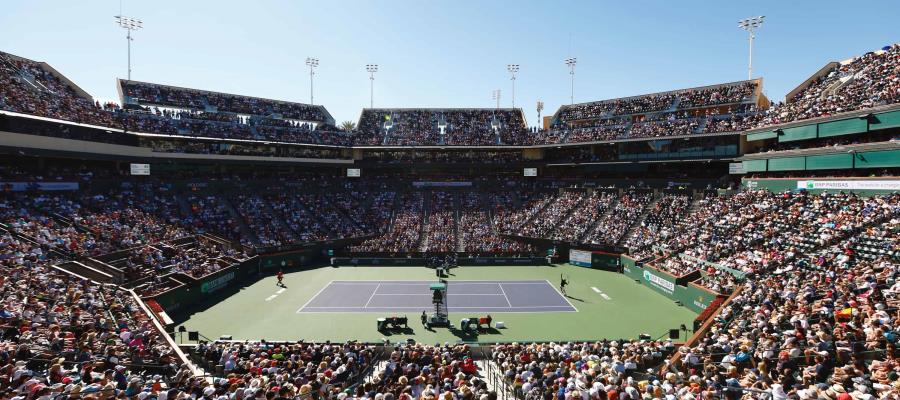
x=749 y=24
x=571 y=63
x=313 y=63
x=540 y=107
x=129 y=24
x=372 y=68
x=513 y=68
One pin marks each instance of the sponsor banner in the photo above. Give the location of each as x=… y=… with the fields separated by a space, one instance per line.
x=217 y=283
x=580 y=258
x=660 y=282
x=353 y=172
x=42 y=186
x=441 y=184
x=530 y=172
x=887 y=185
x=736 y=168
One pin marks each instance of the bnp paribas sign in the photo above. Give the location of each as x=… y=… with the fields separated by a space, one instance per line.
x=659 y=282
x=856 y=184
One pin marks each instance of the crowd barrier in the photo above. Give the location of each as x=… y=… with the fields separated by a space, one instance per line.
x=196 y=289
x=694 y=297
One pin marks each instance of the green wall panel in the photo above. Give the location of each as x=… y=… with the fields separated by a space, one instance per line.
x=829 y=161
x=798 y=133
x=787 y=164
x=843 y=127
x=774 y=185
x=761 y=136
x=754 y=165
x=878 y=159
x=886 y=120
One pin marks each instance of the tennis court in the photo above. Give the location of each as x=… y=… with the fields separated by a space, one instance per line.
x=522 y=296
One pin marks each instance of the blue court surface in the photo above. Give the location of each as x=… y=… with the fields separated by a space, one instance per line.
x=415 y=296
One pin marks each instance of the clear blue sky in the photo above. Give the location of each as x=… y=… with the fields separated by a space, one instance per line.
x=443 y=53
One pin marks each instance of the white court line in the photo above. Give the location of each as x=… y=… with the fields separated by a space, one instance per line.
x=561 y=295
x=504 y=295
x=502 y=310
x=314 y=296
x=603 y=295
x=271 y=297
x=372 y=296
x=429 y=294
x=450 y=307
x=596 y=290
x=420 y=283
x=280 y=291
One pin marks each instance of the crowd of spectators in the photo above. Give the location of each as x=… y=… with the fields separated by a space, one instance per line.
x=613 y=226
x=28 y=88
x=153 y=94
x=815 y=317
x=863 y=82
x=405 y=231
x=597 y=133
x=416 y=371
x=454 y=127
x=262 y=221
x=68 y=336
x=547 y=219
x=809 y=326
x=210 y=213
x=440 y=227
x=83 y=226
x=604 y=369
x=618 y=107
x=725 y=94
x=583 y=217
x=477 y=234
x=815 y=322
x=285 y=370
x=200 y=258
x=295 y=219
x=735 y=93
x=670 y=126
x=661 y=217
x=443 y=157
x=513 y=211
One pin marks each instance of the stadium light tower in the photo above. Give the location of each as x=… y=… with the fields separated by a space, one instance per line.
x=749 y=24
x=372 y=68
x=513 y=69
x=129 y=24
x=313 y=63
x=540 y=107
x=571 y=63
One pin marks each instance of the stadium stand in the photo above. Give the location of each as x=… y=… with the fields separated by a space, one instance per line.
x=676 y=113
x=451 y=127
x=805 y=281
x=861 y=82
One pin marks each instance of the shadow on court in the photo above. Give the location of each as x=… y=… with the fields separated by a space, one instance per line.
x=472 y=335
x=397 y=331
x=575 y=298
